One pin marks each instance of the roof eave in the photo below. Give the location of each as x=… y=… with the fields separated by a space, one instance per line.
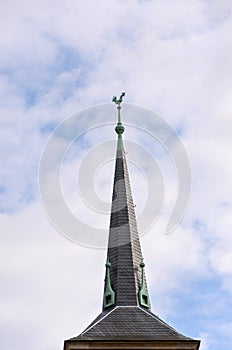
x=191 y=344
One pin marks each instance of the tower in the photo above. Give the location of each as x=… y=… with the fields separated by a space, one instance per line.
x=126 y=320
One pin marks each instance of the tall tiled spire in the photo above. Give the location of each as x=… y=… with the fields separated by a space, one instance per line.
x=126 y=321
x=124 y=251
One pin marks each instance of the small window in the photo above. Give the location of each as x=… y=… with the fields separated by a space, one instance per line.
x=145 y=299
x=108 y=299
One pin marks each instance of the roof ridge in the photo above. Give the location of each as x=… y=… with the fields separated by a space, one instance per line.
x=98 y=321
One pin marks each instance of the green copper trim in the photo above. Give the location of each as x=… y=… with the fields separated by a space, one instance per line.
x=143 y=292
x=109 y=295
x=120 y=145
x=119 y=127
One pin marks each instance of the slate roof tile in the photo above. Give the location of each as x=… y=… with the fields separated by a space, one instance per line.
x=130 y=323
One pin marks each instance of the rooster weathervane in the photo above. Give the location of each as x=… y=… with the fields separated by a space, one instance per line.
x=118 y=101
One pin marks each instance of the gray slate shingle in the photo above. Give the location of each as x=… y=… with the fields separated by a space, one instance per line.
x=124 y=251
x=130 y=323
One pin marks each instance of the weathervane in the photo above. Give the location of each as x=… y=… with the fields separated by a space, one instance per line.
x=118 y=103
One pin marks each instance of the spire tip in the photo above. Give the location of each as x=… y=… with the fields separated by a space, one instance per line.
x=119 y=100
x=119 y=127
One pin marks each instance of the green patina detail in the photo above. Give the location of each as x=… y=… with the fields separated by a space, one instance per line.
x=143 y=292
x=119 y=100
x=109 y=295
x=119 y=127
x=120 y=145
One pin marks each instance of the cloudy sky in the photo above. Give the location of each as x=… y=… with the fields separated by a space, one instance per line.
x=57 y=58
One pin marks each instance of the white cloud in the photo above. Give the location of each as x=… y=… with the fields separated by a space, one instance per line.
x=59 y=57
x=205 y=341
x=46 y=280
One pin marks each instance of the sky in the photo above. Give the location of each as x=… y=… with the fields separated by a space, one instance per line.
x=60 y=57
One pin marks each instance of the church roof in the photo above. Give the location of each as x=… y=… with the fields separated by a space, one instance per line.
x=129 y=323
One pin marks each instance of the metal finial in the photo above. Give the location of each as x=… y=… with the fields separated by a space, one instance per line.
x=109 y=294
x=142 y=265
x=119 y=127
x=143 y=292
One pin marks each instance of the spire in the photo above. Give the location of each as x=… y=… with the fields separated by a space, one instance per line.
x=124 y=252
x=126 y=320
